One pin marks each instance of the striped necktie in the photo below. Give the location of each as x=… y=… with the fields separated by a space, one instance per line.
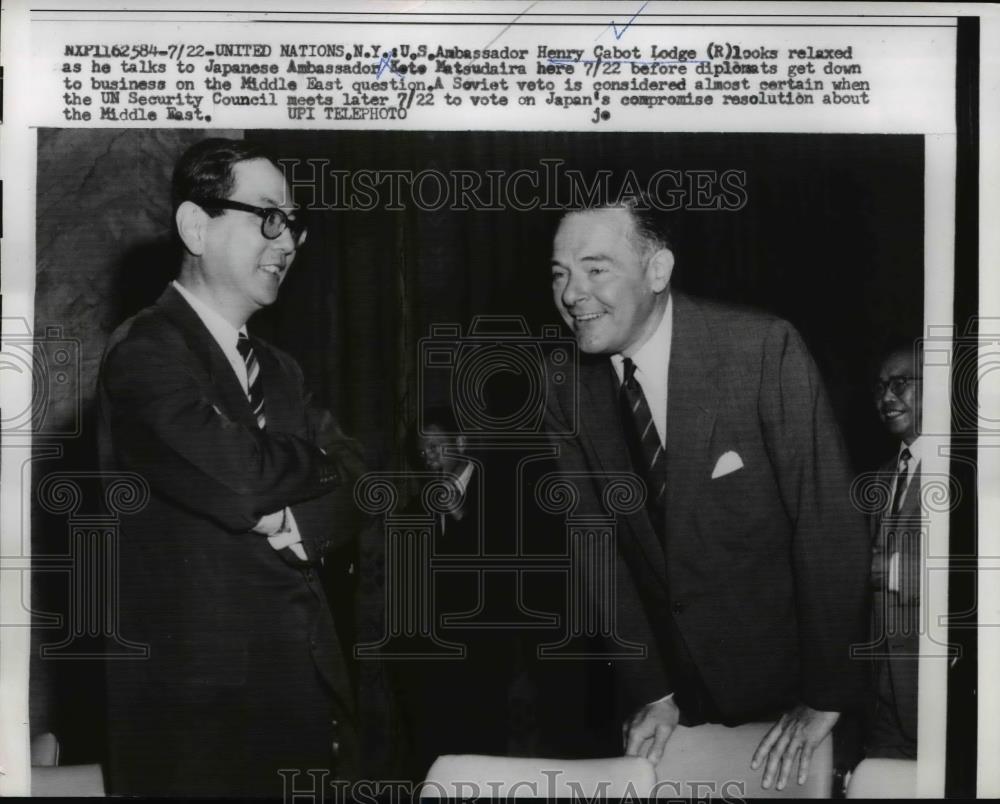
x=647 y=453
x=902 y=475
x=285 y=539
x=255 y=384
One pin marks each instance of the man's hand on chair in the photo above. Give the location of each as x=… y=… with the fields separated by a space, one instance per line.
x=793 y=738
x=647 y=732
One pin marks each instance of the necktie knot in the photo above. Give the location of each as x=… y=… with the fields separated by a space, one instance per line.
x=255 y=386
x=629 y=378
x=243 y=345
x=904 y=460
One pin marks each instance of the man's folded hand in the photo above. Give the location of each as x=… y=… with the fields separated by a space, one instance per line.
x=647 y=731
x=347 y=451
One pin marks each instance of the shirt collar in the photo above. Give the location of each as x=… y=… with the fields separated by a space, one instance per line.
x=463 y=479
x=649 y=359
x=225 y=334
x=916 y=451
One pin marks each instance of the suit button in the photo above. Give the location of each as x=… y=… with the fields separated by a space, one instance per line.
x=335 y=746
x=677 y=608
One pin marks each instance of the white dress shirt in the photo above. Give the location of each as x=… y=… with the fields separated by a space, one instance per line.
x=652 y=366
x=462 y=484
x=915 y=455
x=652 y=363
x=226 y=335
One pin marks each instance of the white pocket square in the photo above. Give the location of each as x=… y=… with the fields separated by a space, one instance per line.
x=728 y=463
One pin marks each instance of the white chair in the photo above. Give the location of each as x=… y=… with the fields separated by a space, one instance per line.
x=883 y=778
x=44 y=750
x=49 y=779
x=473 y=775
x=714 y=761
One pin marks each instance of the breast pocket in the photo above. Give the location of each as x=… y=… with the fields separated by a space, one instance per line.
x=739 y=507
x=728 y=490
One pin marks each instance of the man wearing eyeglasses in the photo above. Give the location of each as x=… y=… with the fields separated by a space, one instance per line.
x=455 y=704
x=892 y=716
x=245 y=674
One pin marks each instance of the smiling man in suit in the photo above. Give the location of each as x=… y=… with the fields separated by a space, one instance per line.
x=745 y=574
x=245 y=674
x=896 y=566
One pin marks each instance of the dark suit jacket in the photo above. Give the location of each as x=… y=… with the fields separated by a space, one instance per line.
x=763 y=575
x=892 y=726
x=245 y=673
x=459 y=705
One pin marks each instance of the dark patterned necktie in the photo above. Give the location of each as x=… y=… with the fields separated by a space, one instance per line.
x=255 y=384
x=282 y=540
x=902 y=472
x=648 y=457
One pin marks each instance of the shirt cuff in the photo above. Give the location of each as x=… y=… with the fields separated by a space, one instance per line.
x=893 y=583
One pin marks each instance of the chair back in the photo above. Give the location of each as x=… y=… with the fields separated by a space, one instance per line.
x=67 y=781
x=474 y=776
x=883 y=778
x=714 y=761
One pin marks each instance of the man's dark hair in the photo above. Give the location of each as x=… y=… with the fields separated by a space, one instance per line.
x=650 y=223
x=896 y=344
x=440 y=416
x=205 y=170
x=652 y=230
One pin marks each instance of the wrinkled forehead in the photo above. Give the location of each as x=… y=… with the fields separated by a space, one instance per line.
x=596 y=234
x=261 y=182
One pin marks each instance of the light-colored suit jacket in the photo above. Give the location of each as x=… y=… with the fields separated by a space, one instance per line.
x=896 y=611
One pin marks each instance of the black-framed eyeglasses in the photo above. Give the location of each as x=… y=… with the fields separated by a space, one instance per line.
x=273 y=221
x=896 y=383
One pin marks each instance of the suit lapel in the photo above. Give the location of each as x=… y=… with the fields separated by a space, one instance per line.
x=691 y=391
x=910 y=506
x=599 y=416
x=234 y=401
x=690 y=420
x=275 y=408
x=911 y=499
x=280 y=417
x=600 y=426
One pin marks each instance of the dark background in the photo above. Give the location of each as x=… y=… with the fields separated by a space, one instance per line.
x=831 y=238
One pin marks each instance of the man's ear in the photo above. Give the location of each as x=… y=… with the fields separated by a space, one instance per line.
x=192 y=222
x=460 y=443
x=660 y=269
